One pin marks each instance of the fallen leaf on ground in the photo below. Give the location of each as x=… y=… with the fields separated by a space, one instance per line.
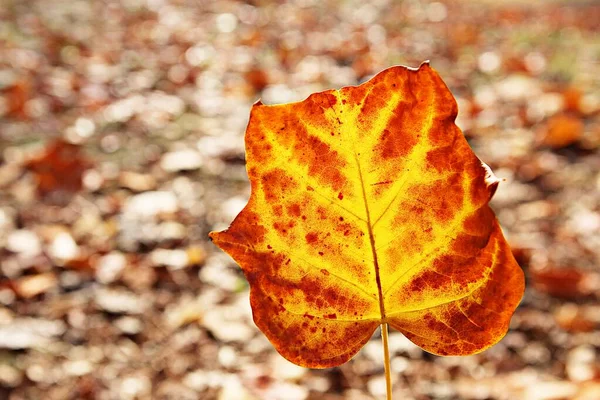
x=575 y=318
x=59 y=168
x=567 y=283
x=17 y=96
x=561 y=130
x=30 y=286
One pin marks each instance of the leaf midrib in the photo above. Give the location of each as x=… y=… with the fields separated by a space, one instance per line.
x=371 y=241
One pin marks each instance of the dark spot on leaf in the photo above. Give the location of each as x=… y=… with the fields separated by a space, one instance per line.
x=311 y=237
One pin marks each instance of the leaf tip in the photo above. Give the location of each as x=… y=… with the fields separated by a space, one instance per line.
x=491 y=180
x=213 y=235
x=423 y=64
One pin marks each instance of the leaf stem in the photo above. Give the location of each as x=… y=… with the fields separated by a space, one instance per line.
x=386 y=361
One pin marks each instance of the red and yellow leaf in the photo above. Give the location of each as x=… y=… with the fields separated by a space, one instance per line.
x=368 y=207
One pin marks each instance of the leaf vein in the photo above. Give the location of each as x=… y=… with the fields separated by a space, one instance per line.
x=466 y=316
x=314 y=267
x=484 y=281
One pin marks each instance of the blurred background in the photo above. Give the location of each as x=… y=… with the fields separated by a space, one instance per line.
x=121 y=147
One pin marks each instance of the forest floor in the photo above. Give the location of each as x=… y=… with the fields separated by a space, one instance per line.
x=121 y=147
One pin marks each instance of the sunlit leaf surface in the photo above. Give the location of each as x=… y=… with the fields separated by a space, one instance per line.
x=368 y=206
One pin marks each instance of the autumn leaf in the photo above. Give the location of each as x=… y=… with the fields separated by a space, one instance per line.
x=368 y=208
x=561 y=130
x=17 y=96
x=59 y=169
